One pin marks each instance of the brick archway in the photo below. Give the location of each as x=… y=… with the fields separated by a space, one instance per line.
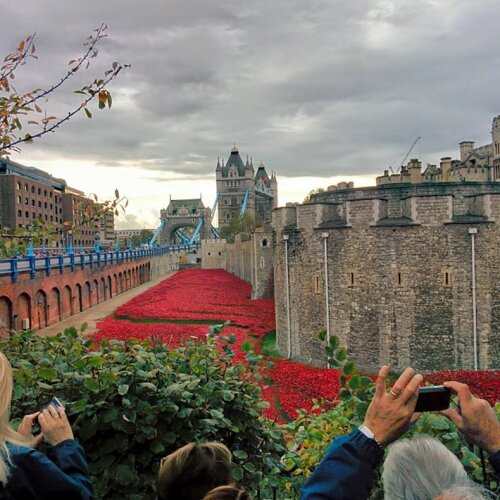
x=55 y=299
x=41 y=318
x=79 y=298
x=6 y=320
x=67 y=302
x=23 y=311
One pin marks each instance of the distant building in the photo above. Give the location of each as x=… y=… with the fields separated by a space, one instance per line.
x=28 y=194
x=124 y=236
x=239 y=184
x=475 y=164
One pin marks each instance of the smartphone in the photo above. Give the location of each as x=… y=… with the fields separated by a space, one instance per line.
x=56 y=403
x=433 y=398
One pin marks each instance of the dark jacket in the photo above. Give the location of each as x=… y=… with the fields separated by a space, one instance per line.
x=347 y=470
x=35 y=476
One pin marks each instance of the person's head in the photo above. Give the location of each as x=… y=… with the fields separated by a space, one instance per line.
x=229 y=492
x=6 y=385
x=7 y=434
x=193 y=470
x=421 y=468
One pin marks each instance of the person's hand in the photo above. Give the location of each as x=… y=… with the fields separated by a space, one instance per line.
x=475 y=418
x=26 y=429
x=390 y=414
x=55 y=425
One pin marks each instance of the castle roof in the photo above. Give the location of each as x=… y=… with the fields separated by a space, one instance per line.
x=234 y=159
x=261 y=175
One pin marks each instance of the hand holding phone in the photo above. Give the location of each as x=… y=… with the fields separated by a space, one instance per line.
x=433 y=398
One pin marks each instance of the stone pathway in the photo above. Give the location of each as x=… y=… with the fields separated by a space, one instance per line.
x=99 y=311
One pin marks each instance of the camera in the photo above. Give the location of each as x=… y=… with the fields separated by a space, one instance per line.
x=433 y=398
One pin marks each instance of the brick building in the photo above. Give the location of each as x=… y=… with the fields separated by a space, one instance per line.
x=27 y=194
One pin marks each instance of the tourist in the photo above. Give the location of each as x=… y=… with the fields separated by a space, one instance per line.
x=421 y=468
x=348 y=468
x=193 y=470
x=229 y=492
x=25 y=473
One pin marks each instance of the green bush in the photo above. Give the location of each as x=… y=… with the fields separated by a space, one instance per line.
x=131 y=404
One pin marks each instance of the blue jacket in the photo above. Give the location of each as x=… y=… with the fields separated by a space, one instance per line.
x=347 y=470
x=34 y=476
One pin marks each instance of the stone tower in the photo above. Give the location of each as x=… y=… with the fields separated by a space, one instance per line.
x=495 y=139
x=237 y=180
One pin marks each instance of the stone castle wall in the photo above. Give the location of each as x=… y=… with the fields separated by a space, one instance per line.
x=213 y=254
x=399 y=275
x=250 y=258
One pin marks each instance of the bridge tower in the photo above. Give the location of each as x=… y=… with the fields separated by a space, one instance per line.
x=241 y=189
x=183 y=218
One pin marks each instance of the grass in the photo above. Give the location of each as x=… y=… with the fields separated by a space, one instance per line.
x=268 y=345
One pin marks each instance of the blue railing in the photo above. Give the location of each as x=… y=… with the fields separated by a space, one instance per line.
x=47 y=263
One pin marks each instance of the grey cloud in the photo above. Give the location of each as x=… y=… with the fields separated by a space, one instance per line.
x=311 y=88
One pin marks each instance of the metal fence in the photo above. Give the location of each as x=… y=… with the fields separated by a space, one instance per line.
x=47 y=263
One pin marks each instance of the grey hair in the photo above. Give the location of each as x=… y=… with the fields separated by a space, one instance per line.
x=421 y=468
x=472 y=492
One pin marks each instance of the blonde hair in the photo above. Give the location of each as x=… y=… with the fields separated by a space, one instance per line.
x=7 y=433
x=193 y=470
x=229 y=492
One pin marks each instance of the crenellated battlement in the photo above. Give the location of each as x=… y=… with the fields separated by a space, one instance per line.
x=423 y=205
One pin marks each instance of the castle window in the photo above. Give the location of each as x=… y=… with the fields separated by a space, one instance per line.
x=399 y=279
x=351 y=279
x=19 y=213
x=317 y=284
x=264 y=242
x=262 y=263
x=447 y=281
x=33 y=189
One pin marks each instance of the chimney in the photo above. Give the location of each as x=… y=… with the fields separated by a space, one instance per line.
x=415 y=171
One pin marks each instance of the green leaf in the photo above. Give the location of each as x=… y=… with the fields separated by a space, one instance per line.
x=237 y=473
x=241 y=454
x=47 y=373
x=88 y=113
x=123 y=474
x=249 y=467
x=354 y=382
x=123 y=389
x=245 y=346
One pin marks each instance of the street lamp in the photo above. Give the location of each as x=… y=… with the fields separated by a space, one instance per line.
x=288 y=316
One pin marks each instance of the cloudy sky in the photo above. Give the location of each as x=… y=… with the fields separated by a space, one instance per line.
x=319 y=90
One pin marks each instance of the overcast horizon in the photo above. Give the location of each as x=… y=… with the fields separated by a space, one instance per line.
x=319 y=91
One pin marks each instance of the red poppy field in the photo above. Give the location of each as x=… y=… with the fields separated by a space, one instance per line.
x=183 y=306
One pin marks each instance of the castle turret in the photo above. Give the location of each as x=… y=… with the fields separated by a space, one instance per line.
x=495 y=140
x=465 y=148
x=445 y=168
x=274 y=190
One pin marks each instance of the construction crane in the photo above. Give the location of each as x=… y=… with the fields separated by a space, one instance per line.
x=405 y=156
